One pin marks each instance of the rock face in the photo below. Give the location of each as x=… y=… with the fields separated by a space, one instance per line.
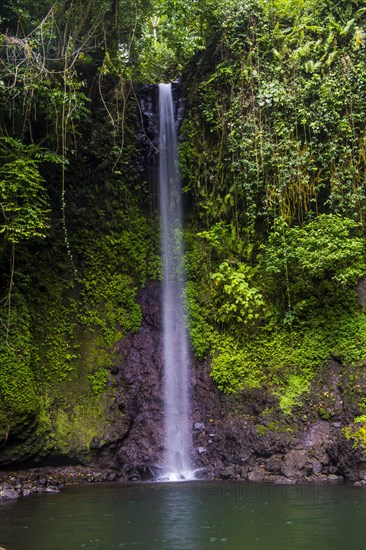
x=245 y=437
x=148 y=130
x=138 y=379
x=233 y=437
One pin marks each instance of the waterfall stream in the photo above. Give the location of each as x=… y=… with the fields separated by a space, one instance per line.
x=177 y=421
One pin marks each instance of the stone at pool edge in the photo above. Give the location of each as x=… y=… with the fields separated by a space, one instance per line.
x=7 y=493
x=25 y=489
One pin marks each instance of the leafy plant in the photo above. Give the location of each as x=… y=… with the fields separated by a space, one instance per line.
x=235 y=299
x=98 y=381
x=322 y=257
x=292 y=395
x=23 y=197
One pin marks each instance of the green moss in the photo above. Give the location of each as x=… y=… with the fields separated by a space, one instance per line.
x=67 y=427
x=74 y=430
x=18 y=395
x=325 y=414
x=98 y=381
x=350 y=337
x=262 y=430
x=200 y=331
x=114 y=267
x=357 y=434
x=234 y=367
x=109 y=300
x=271 y=427
x=75 y=328
x=270 y=358
x=54 y=348
x=63 y=326
x=353 y=388
x=282 y=356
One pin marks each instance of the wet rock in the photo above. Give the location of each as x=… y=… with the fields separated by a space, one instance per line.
x=360 y=483
x=49 y=480
x=315 y=467
x=274 y=464
x=322 y=456
x=323 y=478
x=50 y=490
x=361 y=291
x=334 y=479
x=317 y=434
x=258 y=474
x=199 y=426
x=228 y=473
x=8 y=493
x=95 y=442
x=333 y=451
x=280 y=480
x=293 y=463
x=361 y=471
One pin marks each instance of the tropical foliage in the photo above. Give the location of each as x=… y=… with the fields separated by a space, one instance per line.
x=273 y=160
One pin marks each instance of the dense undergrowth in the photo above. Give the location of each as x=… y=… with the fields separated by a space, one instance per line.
x=273 y=156
x=272 y=152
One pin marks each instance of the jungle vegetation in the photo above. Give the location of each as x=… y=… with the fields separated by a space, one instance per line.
x=272 y=151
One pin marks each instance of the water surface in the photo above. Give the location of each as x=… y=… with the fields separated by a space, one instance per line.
x=188 y=515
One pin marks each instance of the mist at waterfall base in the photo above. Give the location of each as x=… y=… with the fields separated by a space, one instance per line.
x=197 y=515
x=177 y=415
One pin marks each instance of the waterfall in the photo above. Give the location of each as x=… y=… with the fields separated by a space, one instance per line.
x=177 y=422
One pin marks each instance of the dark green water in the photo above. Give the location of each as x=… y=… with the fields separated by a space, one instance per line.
x=199 y=515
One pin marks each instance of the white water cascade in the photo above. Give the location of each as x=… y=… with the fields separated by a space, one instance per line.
x=177 y=422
